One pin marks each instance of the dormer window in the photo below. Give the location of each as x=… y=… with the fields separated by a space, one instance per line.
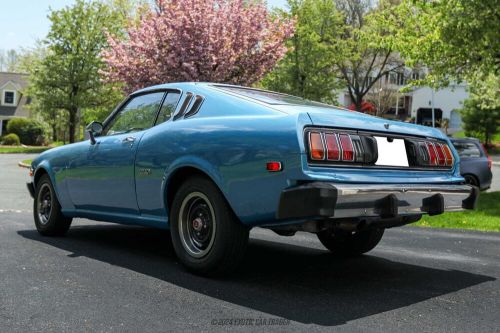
x=9 y=98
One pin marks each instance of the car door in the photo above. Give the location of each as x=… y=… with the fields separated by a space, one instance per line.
x=103 y=179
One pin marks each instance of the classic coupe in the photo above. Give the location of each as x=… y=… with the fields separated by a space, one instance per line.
x=211 y=161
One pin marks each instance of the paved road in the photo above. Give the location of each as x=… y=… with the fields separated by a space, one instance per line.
x=113 y=278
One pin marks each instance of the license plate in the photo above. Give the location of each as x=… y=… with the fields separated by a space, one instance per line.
x=391 y=153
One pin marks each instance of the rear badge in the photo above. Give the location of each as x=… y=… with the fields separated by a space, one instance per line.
x=386 y=125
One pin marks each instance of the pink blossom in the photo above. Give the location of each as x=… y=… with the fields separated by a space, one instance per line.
x=230 y=41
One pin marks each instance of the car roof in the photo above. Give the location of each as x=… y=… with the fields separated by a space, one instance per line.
x=475 y=140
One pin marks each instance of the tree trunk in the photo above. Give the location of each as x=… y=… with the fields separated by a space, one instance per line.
x=358 y=103
x=72 y=124
x=54 y=132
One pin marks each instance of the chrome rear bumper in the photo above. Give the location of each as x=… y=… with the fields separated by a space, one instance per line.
x=333 y=200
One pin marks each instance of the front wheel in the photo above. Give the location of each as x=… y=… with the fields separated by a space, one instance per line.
x=207 y=237
x=49 y=220
x=346 y=243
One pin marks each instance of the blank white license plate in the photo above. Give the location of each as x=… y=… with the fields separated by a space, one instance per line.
x=391 y=153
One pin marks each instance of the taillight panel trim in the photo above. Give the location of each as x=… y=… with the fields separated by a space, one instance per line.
x=418 y=141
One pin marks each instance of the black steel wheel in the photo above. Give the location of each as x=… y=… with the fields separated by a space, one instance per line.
x=49 y=220
x=207 y=237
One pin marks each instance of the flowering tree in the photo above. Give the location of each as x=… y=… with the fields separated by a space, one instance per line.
x=232 y=41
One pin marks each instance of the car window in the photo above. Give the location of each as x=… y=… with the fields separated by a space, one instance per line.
x=467 y=149
x=271 y=97
x=168 y=107
x=137 y=115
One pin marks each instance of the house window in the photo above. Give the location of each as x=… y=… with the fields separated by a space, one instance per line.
x=9 y=97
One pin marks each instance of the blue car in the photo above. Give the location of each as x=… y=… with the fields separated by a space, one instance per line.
x=211 y=161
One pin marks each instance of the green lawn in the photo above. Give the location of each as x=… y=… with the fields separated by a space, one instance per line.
x=27 y=162
x=485 y=217
x=22 y=150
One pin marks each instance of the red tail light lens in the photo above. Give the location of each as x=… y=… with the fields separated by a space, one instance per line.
x=490 y=162
x=432 y=153
x=316 y=146
x=440 y=154
x=347 y=149
x=448 y=154
x=332 y=147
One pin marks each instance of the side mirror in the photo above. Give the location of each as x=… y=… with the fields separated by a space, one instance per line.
x=95 y=129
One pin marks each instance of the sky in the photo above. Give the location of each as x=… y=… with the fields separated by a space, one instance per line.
x=22 y=22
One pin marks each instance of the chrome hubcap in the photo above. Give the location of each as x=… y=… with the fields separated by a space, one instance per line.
x=44 y=204
x=197 y=224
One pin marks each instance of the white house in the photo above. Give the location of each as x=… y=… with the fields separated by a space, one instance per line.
x=416 y=104
x=447 y=102
x=12 y=100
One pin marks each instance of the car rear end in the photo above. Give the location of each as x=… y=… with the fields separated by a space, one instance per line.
x=475 y=164
x=358 y=168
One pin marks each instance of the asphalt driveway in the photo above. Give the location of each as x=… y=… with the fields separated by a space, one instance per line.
x=113 y=278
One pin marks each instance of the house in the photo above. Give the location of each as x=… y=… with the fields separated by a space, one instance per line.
x=416 y=104
x=447 y=102
x=13 y=102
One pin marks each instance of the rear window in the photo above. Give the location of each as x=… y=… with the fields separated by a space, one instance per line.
x=467 y=149
x=270 y=97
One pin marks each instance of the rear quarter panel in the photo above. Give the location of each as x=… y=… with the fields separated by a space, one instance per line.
x=232 y=151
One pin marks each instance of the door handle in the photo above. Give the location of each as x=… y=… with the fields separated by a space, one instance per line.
x=128 y=139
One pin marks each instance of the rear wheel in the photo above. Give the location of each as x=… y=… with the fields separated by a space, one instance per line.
x=49 y=220
x=346 y=243
x=206 y=235
x=471 y=180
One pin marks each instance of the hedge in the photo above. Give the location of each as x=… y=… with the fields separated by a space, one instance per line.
x=29 y=131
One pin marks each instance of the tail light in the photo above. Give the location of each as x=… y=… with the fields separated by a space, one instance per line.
x=490 y=162
x=333 y=146
x=427 y=153
x=341 y=147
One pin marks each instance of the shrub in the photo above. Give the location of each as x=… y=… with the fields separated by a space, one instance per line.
x=29 y=131
x=11 y=140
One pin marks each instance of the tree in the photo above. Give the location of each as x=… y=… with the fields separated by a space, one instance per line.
x=307 y=70
x=67 y=77
x=455 y=38
x=481 y=112
x=231 y=41
x=338 y=43
x=366 y=50
x=9 y=60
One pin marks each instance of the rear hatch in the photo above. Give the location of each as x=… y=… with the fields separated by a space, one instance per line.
x=359 y=121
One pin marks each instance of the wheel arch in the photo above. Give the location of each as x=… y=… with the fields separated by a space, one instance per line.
x=473 y=176
x=177 y=174
x=44 y=169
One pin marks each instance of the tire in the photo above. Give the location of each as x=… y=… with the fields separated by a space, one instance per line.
x=471 y=180
x=344 y=243
x=49 y=220
x=207 y=236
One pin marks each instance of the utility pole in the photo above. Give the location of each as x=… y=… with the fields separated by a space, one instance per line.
x=432 y=108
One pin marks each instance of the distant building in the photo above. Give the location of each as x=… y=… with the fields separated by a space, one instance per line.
x=447 y=102
x=415 y=104
x=13 y=100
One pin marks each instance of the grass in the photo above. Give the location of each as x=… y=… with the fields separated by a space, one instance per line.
x=27 y=162
x=22 y=150
x=485 y=217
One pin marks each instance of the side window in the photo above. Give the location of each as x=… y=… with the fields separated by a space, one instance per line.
x=185 y=104
x=168 y=107
x=137 y=115
x=196 y=106
x=467 y=149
